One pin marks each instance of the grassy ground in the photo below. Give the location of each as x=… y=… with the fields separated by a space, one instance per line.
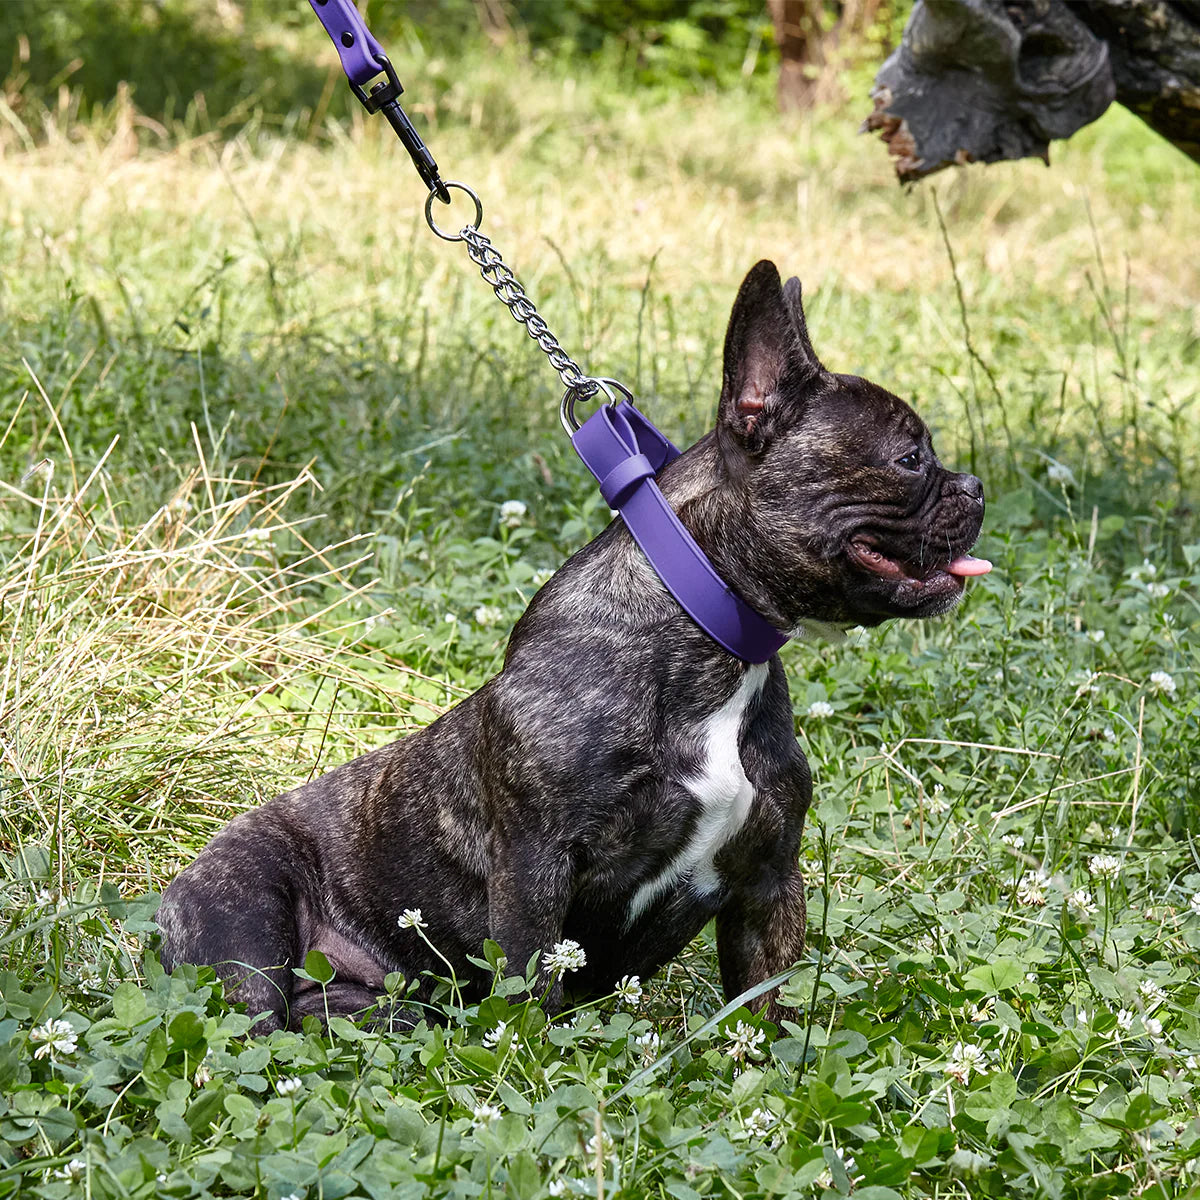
x=258 y=424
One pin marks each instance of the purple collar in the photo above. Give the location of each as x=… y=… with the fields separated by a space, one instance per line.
x=624 y=452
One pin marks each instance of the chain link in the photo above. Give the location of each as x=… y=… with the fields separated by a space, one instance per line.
x=512 y=295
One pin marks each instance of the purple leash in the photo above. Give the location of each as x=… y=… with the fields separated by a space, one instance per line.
x=620 y=447
x=362 y=59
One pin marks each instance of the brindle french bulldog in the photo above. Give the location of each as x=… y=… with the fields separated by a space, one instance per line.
x=624 y=779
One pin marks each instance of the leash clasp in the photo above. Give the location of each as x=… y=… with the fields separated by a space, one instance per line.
x=384 y=97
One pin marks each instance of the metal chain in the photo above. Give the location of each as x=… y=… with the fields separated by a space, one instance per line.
x=363 y=60
x=512 y=295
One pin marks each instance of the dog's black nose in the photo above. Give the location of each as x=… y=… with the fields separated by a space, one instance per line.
x=971 y=486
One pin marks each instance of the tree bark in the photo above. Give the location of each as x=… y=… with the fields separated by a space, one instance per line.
x=986 y=80
x=1154 y=50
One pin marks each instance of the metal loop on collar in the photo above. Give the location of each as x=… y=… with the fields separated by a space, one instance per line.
x=454 y=237
x=580 y=391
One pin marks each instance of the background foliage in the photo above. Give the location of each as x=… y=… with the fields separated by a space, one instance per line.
x=258 y=431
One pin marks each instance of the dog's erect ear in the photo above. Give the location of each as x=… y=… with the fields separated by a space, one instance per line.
x=768 y=357
x=791 y=298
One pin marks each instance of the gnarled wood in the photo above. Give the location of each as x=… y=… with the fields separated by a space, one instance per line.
x=986 y=80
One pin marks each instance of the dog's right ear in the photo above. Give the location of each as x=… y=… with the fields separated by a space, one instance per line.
x=768 y=359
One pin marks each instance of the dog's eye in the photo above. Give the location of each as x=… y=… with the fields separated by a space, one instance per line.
x=910 y=462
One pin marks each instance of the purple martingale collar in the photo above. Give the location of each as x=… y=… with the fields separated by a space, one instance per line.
x=624 y=451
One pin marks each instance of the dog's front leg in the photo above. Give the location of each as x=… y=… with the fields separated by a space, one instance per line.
x=760 y=931
x=528 y=896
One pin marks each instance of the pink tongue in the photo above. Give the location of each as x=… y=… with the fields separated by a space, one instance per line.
x=969 y=566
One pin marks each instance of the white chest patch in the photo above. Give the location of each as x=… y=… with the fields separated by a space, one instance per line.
x=724 y=793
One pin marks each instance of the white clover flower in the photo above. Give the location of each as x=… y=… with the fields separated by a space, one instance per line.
x=746 y=1042
x=53 y=897
x=483 y=1115
x=824 y=1180
x=1194 y=903
x=512 y=513
x=541 y=577
x=1080 y=903
x=1161 y=684
x=1087 y=684
x=1158 y=591
x=294 y=1196
x=411 y=918
x=56 y=1037
x=451 y=618
x=629 y=989
x=1032 y=889
x=492 y=1037
x=566 y=955
x=1124 y=1020
x=289 y=1085
x=1146 y=571
x=75 y=1169
x=256 y=537
x=1153 y=1027
x=938 y=803
x=981 y=1012
x=1015 y=840
x=1152 y=994
x=1060 y=473
x=1192 y=1063
x=1096 y=635
x=203 y=1074
x=648 y=1043
x=557 y=1187
x=820 y=708
x=600 y=1143
x=488 y=614
x=1104 y=866
x=965 y=1058
x=1081 y=1016
x=758 y=1124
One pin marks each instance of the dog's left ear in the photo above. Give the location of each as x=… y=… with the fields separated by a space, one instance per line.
x=769 y=361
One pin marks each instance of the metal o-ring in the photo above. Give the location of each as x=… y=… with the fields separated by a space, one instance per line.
x=566 y=411
x=452 y=237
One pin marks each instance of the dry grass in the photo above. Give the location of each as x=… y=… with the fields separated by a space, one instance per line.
x=163 y=675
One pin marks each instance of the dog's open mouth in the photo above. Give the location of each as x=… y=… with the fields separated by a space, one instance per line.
x=924 y=575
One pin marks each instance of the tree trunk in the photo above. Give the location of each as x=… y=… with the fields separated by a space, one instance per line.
x=799 y=37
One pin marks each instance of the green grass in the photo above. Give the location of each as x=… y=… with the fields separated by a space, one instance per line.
x=292 y=553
